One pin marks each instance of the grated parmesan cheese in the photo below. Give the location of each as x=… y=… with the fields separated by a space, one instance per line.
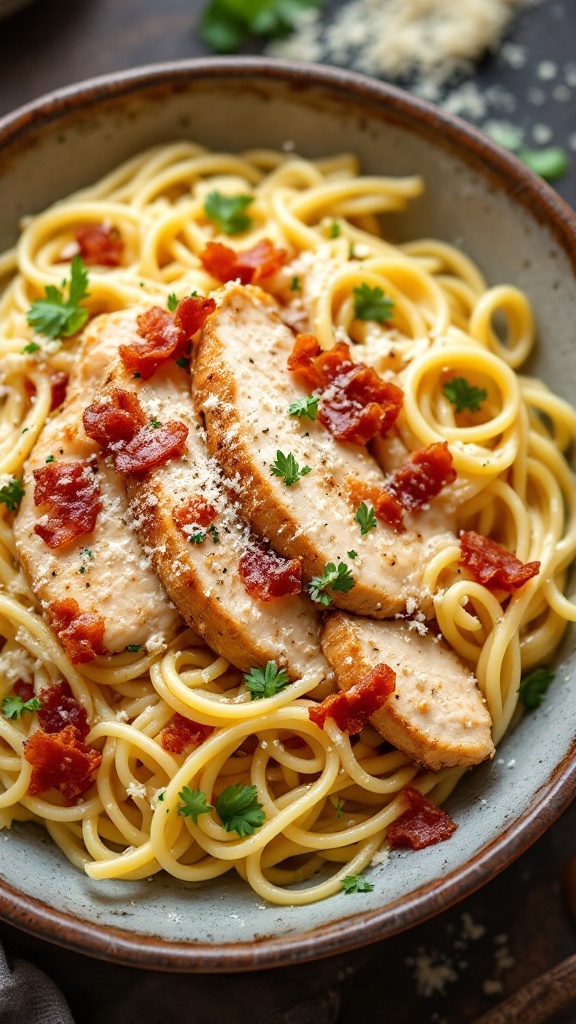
x=429 y=40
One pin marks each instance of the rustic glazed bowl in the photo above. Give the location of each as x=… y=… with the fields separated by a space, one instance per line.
x=518 y=231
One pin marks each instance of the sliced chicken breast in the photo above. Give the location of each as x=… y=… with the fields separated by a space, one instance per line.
x=243 y=391
x=202 y=577
x=436 y=714
x=104 y=571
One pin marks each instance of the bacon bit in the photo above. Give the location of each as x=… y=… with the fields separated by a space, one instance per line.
x=424 y=476
x=165 y=334
x=152 y=447
x=182 y=732
x=81 y=633
x=61 y=761
x=386 y=507
x=493 y=565
x=59 y=382
x=60 y=709
x=351 y=709
x=302 y=359
x=100 y=244
x=117 y=423
x=196 y=512
x=423 y=824
x=23 y=690
x=247 y=266
x=72 y=495
x=356 y=403
x=113 y=419
x=266 y=575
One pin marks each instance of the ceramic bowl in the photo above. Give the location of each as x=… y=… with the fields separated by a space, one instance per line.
x=518 y=231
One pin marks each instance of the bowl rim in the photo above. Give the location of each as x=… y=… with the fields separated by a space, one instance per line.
x=346 y=933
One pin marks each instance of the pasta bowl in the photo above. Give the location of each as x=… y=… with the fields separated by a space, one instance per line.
x=517 y=231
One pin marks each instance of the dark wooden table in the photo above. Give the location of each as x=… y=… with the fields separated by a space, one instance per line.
x=518 y=925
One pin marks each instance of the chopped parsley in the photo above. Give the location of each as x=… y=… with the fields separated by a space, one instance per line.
x=11 y=494
x=464 y=395
x=31 y=347
x=133 y=648
x=352 y=554
x=306 y=406
x=266 y=682
x=172 y=302
x=239 y=809
x=183 y=362
x=287 y=467
x=295 y=284
x=372 y=304
x=338 y=805
x=214 y=534
x=57 y=316
x=366 y=517
x=550 y=163
x=355 y=883
x=49 y=458
x=333 y=578
x=335 y=230
x=13 y=706
x=154 y=423
x=533 y=687
x=82 y=569
x=225 y=23
x=194 y=804
x=197 y=538
x=227 y=212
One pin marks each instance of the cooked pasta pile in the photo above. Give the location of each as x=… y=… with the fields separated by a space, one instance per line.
x=327 y=798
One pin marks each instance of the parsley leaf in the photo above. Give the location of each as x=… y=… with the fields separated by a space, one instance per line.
x=333 y=578
x=194 y=804
x=372 y=304
x=463 y=395
x=239 y=810
x=335 y=230
x=307 y=406
x=225 y=23
x=172 y=302
x=13 y=706
x=355 y=883
x=295 y=284
x=366 y=517
x=184 y=362
x=214 y=534
x=550 y=163
x=227 y=212
x=266 y=682
x=133 y=648
x=154 y=424
x=32 y=346
x=287 y=467
x=11 y=494
x=533 y=687
x=352 y=554
x=57 y=317
x=49 y=458
x=197 y=538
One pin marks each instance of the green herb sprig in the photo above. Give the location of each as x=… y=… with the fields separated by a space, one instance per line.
x=57 y=316
x=266 y=682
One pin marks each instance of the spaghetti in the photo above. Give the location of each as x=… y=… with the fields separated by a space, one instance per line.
x=326 y=800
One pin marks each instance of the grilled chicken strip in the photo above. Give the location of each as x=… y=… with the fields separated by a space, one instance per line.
x=105 y=571
x=436 y=714
x=202 y=577
x=243 y=391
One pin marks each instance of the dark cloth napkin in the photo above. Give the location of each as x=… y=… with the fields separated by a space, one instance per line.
x=103 y=993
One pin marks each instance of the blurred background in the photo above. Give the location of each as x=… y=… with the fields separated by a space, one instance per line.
x=509 y=67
